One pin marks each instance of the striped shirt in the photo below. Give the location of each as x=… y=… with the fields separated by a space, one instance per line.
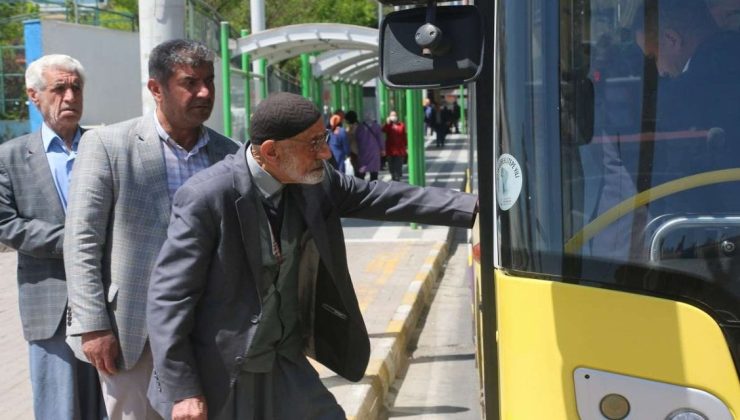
x=181 y=164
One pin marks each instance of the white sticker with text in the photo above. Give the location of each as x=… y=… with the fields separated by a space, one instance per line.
x=509 y=181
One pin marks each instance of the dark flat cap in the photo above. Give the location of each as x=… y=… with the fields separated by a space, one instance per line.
x=281 y=116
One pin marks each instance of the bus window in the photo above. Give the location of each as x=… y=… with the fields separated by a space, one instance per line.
x=645 y=194
x=666 y=81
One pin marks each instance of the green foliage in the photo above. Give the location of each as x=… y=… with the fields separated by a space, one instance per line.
x=119 y=14
x=11 y=21
x=123 y=15
x=289 y=12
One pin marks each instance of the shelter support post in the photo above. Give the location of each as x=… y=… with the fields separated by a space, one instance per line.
x=226 y=78
x=319 y=93
x=345 y=95
x=247 y=89
x=382 y=94
x=463 y=103
x=305 y=76
x=336 y=96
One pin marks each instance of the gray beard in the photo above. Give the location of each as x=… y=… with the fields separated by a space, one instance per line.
x=311 y=178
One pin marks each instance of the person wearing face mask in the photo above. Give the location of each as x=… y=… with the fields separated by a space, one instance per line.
x=395 y=145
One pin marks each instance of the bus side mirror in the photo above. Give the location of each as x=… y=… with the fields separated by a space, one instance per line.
x=431 y=47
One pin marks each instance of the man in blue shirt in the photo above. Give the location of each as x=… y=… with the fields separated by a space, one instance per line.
x=34 y=176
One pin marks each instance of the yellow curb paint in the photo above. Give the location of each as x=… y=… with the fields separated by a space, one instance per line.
x=382 y=371
x=409 y=298
x=373 y=367
x=395 y=326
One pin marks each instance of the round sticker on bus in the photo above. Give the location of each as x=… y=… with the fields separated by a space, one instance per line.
x=509 y=181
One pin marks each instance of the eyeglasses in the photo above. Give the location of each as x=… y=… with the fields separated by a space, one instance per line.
x=317 y=143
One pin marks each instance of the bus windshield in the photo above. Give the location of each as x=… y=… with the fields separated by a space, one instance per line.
x=623 y=118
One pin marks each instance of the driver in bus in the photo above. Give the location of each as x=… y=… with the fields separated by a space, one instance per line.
x=697 y=110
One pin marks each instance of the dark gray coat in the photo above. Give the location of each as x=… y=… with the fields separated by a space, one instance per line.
x=32 y=222
x=203 y=302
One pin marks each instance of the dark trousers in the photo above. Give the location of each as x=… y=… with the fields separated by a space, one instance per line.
x=291 y=390
x=441 y=134
x=373 y=175
x=395 y=167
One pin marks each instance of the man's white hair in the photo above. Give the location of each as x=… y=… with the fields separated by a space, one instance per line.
x=35 y=71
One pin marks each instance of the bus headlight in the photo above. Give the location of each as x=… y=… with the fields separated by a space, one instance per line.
x=614 y=407
x=686 y=414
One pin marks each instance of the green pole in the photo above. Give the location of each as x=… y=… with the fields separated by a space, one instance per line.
x=247 y=89
x=2 y=81
x=336 y=96
x=262 y=70
x=348 y=97
x=226 y=77
x=305 y=76
x=345 y=96
x=402 y=104
x=351 y=96
x=463 y=110
x=382 y=97
x=393 y=102
x=413 y=144
x=319 y=93
x=419 y=111
x=358 y=98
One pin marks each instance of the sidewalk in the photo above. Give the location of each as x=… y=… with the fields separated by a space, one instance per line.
x=393 y=268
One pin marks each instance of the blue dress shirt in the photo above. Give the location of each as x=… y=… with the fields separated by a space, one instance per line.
x=61 y=159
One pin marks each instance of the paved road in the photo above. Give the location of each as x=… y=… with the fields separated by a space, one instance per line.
x=14 y=386
x=441 y=381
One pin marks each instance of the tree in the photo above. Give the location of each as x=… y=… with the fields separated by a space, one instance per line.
x=12 y=59
x=12 y=15
x=289 y=12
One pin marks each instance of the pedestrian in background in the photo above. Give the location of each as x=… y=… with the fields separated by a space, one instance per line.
x=338 y=141
x=253 y=277
x=455 y=115
x=35 y=170
x=428 y=117
x=119 y=206
x=371 y=146
x=442 y=118
x=395 y=145
x=354 y=148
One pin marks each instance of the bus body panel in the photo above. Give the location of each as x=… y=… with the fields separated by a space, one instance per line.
x=548 y=329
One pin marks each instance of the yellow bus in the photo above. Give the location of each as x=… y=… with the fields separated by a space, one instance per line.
x=606 y=146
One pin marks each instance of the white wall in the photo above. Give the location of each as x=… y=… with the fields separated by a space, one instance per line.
x=111 y=61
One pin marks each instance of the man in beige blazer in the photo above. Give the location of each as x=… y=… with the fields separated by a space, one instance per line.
x=119 y=209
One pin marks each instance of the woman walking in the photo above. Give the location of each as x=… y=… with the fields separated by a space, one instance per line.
x=370 y=147
x=395 y=145
x=338 y=142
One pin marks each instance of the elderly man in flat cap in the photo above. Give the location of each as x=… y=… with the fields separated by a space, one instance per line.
x=253 y=276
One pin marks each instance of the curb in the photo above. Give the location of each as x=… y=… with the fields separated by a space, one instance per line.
x=389 y=355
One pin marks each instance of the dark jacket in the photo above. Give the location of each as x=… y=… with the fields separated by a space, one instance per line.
x=204 y=306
